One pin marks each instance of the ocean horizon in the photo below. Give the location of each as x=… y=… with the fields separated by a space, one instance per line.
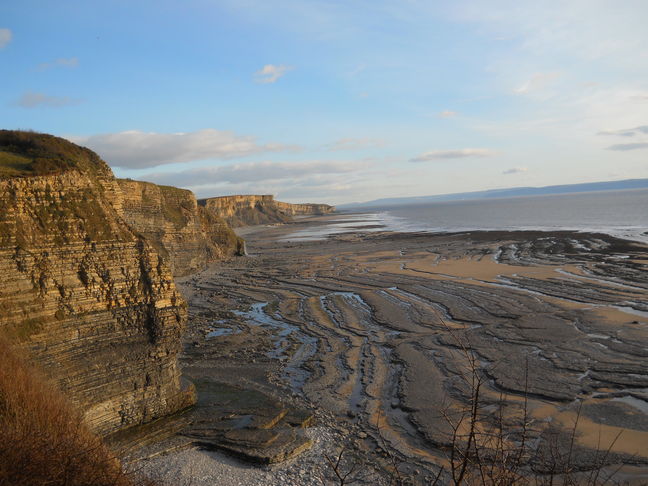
x=623 y=214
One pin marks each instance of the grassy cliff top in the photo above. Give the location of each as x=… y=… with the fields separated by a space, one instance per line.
x=24 y=154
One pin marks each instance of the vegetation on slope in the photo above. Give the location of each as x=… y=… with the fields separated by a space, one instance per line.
x=176 y=206
x=42 y=438
x=25 y=153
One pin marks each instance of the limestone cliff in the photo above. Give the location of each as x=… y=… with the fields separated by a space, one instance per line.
x=89 y=297
x=186 y=234
x=247 y=210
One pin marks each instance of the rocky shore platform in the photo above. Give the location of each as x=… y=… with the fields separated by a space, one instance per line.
x=369 y=345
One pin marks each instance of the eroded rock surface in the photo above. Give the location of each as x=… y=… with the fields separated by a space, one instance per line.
x=382 y=329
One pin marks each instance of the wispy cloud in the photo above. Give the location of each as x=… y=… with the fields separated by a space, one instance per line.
x=447 y=114
x=515 y=170
x=137 y=150
x=254 y=172
x=627 y=132
x=34 y=100
x=357 y=70
x=639 y=132
x=70 y=62
x=622 y=147
x=354 y=144
x=452 y=154
x=270 y=73
x=537 y=82
x=5 y=37
x=583 y=29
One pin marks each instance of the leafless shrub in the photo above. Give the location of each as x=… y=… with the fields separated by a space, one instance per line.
x=347 y=467
x=343 y=474
x=488 y=448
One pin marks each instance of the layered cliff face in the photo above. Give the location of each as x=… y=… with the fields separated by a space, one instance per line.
x=303 y=209
x=259 y=209
x=91 y=299
x=186 y=234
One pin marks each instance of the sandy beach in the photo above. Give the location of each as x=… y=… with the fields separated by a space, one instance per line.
x=369 y=342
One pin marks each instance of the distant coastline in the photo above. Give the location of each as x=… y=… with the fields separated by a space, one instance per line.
x=616 y=213
x=627 y=184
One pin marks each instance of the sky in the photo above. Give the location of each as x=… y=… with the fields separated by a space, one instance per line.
x=336 y=101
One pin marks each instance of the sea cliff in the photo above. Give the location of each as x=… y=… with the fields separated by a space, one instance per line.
x=92 y=300
x=88 y=293
x=189 y=236
x=245 y=210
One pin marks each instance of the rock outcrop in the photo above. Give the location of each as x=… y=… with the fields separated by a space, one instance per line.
x=303 y=209
x=91 y=299
x=187 y=235
x=259 y=209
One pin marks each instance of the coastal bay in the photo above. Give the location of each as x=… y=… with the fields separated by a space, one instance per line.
x=373 y=339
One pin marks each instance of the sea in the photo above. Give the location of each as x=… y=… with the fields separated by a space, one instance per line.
x=619 y=213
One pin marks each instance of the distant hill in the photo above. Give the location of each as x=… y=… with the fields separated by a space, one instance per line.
x=511 y=192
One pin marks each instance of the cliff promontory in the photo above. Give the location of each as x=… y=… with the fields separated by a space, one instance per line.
x=259 y=209
x=189 y=236
x=90 y=299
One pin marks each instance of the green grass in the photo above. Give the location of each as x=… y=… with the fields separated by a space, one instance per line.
x=12 y=165
x=23 y=330
x=174 y=200
x=24 y=153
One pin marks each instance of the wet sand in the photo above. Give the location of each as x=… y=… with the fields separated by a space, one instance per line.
x=379 y=336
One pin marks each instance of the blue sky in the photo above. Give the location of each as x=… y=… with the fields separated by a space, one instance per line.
x=336 y=101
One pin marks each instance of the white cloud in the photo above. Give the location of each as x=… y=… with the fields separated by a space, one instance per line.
x=70 y=62
x=588 y=73
x=252 y=173
x=270 y=73
x=136 y=149
x=515 y=170
x=639 y=132
x=576 y=118
x=453 y=154
x=537 y=82
x=591 y=30
x=627 y=132
x=354 y=144
x=447 y=114
x=5 y=37
x=33 y=100
x=623 y=147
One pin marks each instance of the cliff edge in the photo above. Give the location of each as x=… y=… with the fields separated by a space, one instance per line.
x=90 y=299
x=186 y=234
x=245 y=210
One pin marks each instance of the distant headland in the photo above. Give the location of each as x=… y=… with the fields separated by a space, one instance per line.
x=509 y=192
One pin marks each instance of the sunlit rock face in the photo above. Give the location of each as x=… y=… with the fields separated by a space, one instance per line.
x=188 y=235
x=259 y=209
x=90 y=298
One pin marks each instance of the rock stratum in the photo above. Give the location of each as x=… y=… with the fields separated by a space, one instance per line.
x=90 y=298
x=188 y=235
x=246 y=210
x=384 y=331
